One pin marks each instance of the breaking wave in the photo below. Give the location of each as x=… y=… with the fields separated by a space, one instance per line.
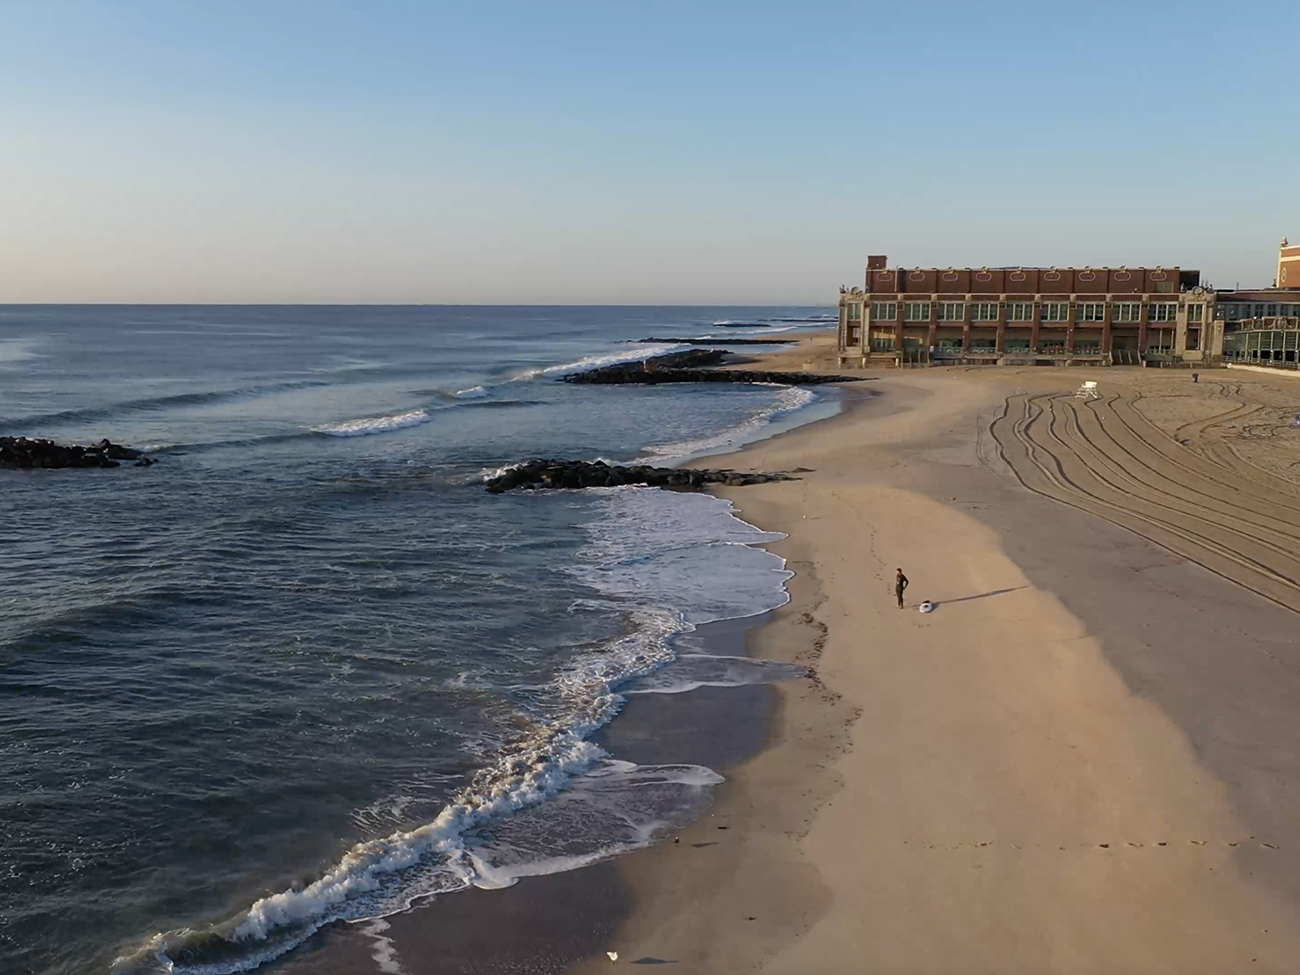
x=788 y=400
x=553 y=800
x=597 y=361
x=385 y=875
x=378 y=424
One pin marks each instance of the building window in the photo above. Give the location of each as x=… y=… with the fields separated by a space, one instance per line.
x=1272 y=311
x=1020 y=311
x=1164 y=287
x=882 y=342
x=1056 y=311
x=884 y=311
x=855 y=335
x=1163 y=312
x=1195 y=313
x=855 y=312
x=1091 y=311
x=1194 y=336
x=952 y=311
x=1126 y=311
x=984 y=311
x=1160 y=341
x=916 y=311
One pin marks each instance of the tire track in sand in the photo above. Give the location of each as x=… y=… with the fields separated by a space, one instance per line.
x=1204 y=438
x=1104 y=458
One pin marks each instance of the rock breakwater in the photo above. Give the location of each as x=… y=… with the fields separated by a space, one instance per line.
x=25 y=453
x=535 y=474
x=789 y=341
x=695 y=366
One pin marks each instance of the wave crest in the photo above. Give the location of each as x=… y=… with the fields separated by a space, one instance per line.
x=369 y=425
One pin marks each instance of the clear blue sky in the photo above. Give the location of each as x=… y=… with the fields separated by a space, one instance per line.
x=551 y=151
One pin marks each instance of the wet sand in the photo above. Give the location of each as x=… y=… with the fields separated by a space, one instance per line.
x=1084 y=760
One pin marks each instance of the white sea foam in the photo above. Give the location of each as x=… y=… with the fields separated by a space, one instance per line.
x=382 y=876
x=553 y=800
x=613 y=808
x=14 y=351
x=488 y=473
x=377 y=424
x=597 y=361
x=788 y=400
x=690 y=671
x=474 y=392
x=684 y=552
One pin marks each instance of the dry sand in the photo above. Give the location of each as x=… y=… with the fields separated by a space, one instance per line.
x=1084 y=760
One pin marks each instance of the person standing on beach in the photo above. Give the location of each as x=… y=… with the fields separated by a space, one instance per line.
x=900 y=583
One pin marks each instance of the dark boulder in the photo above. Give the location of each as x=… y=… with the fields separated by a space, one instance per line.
x=573 y=474
x=31 y=454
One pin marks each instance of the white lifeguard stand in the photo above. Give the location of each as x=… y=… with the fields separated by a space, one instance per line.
x=1087 y=391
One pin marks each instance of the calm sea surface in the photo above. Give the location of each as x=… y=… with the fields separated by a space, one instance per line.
x=304 y=668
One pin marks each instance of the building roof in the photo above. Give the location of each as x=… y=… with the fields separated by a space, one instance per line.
x=1260 y=294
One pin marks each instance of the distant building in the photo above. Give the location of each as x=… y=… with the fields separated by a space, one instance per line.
x=1263 y=327
x=1061 y=316
x=1288 y=266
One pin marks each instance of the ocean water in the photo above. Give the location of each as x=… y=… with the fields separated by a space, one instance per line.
x=304 y=668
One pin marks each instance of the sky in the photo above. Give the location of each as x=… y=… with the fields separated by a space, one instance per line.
x=613 y=152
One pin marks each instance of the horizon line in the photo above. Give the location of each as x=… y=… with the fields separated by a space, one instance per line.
x=407 y=304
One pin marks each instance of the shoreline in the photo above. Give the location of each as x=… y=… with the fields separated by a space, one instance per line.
x=547 y=922
x=1062 y=769
x=557 y=919
x=1033 y=778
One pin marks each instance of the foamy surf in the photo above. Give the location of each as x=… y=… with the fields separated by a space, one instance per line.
x=377 y=424
x=690 y=671
x=554 y=800
x=385 y=875
x=688 y=552
x=789 y=399
x=597 y=361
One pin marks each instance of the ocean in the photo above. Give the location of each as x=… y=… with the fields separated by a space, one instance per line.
x=304 y=669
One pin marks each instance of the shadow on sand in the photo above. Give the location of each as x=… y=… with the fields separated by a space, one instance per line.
x=983 y=595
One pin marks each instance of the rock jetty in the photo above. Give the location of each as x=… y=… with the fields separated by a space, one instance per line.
x=535 y=474
x=25 y=453
x=694 y=366
x=789 y=341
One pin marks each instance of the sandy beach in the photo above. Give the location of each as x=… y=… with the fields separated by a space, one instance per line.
x=1083 y=760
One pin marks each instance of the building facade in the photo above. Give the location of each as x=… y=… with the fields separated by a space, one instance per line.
x=1026 y=314
x=1063 y=316
x=1261 y=327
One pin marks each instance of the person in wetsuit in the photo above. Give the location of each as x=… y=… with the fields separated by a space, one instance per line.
x=900 y=583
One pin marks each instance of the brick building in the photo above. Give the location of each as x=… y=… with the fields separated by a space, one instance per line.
x=1027 y=314
x=1288 y=266
x=1063 y=316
